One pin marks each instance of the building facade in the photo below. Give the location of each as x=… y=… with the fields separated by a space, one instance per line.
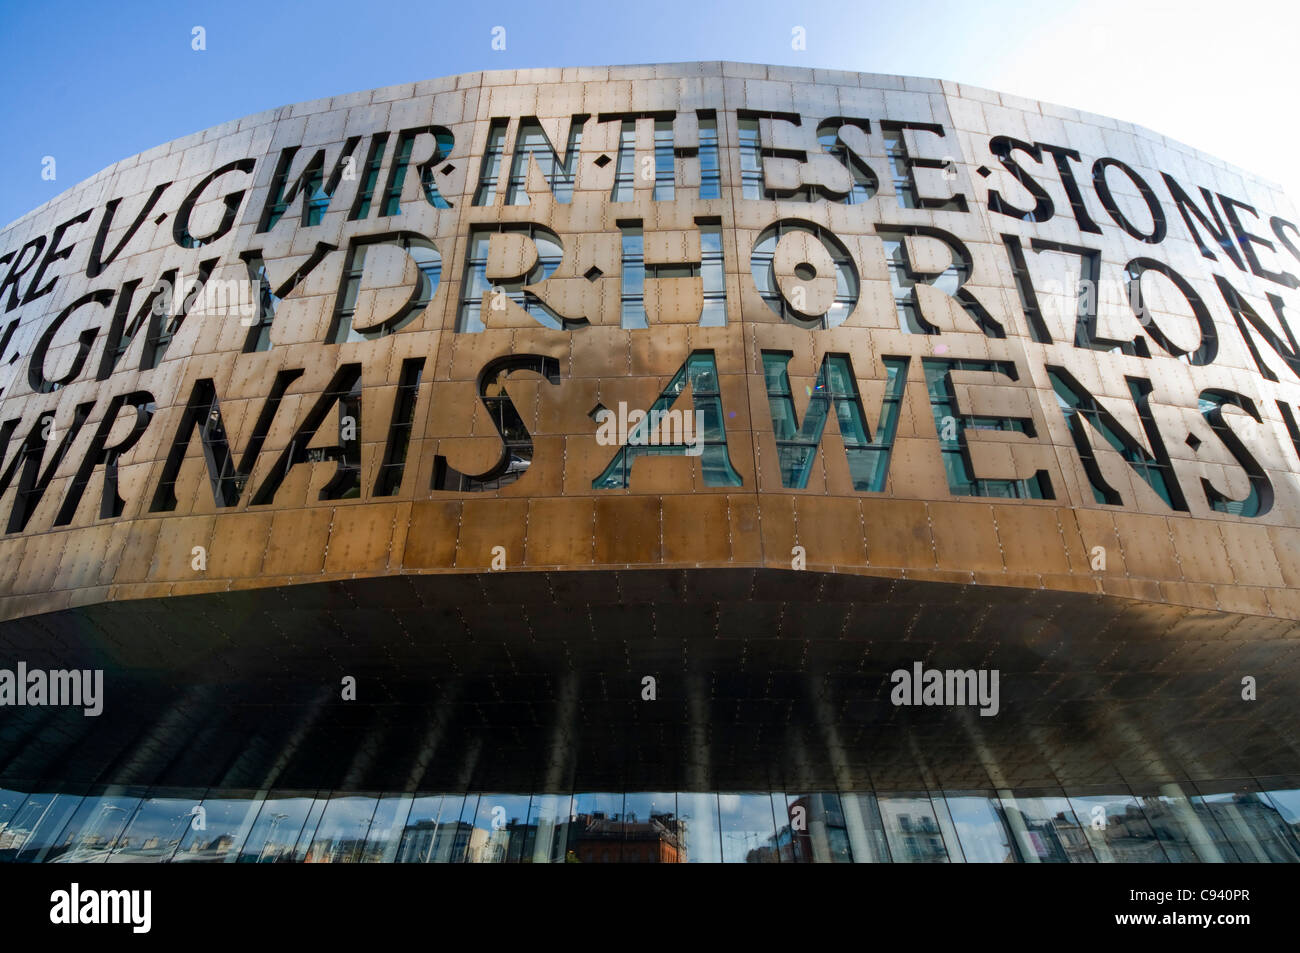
x=700 y=462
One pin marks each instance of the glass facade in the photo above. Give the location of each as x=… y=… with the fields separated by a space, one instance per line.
x=762 y=267
x=904 y=280
x=476 y=284
x=797 y=443
x=559 y=172
x=951 y=425
x=624 y=171
x=710 y=163
x=701 y=373
x=1246 y=821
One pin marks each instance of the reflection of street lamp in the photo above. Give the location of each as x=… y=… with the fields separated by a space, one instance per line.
x=104 y=811
x=45 y=810
x=270 y=836
x=363 y=830
x=177 y=831
x=8 y=812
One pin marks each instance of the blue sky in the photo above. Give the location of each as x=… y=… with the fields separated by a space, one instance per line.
x=91 y=83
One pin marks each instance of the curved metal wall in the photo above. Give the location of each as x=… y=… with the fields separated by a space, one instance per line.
x=915 y=228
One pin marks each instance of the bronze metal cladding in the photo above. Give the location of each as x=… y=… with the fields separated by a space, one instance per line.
x=922 y=331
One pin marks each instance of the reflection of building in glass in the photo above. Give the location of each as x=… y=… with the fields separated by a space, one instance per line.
x=909 y=827
x=427 y=841
x=597 y=839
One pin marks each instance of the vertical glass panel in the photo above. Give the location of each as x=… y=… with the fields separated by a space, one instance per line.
x=397 y=178
x=864 y=828
x=703 y=373
x=714 y=313
x=228 y=819
x=303 y=847
x=160 y=823
x=708 y=418
x=1210 y=819
x=751 y=162
x=981 y=828
x=374 y=163
x=863 y=181
x=868 y=467
x=710 y=170
x=11 y=803
x=549 y=254
x=1284 y=795
x=634 y=316
x=911 y=828
x=386 y=829
x=596 y=835
x=748 y=829
x=783 y=417
x=633 y=277
x=549 y=818
x=775 y=377
x=1255 y=831
x=275 y=833
x=839 y=378
x=896 y=150
x=852 y=425
x=36 y=826
x=624 y=187
x=700 y=837
x=342 y=830
x=490 y=170
x=499 y=829
x=650 y=829
x=1116 y=828
x=1046 y=828
x=1184 y=834
x=815 y=829
x=92 y=832
x=665 y=183
x=434 y=832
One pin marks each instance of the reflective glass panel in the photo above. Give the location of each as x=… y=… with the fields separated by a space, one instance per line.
x=1046 y=828
x=912 y=830
x=434 y=832
x=92 y=832
x=864 y=828
x=813 y=830
x=160 y=823
x=596 y=835
x=748 y=829
x=650 y=829
x=341 y=833
x=275 y=832
x=1284 y=795
x=228 y=818
x=11 y=803
x=499 y=829
x=1255 y=831
x=1181 y=829
x=386 y=829
x=1116 y=828
x=35 y=828
x=549 y=819
x=981 y=828
x=698 y=820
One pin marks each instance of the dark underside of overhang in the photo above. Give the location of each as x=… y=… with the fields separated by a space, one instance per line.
x=764 y=680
